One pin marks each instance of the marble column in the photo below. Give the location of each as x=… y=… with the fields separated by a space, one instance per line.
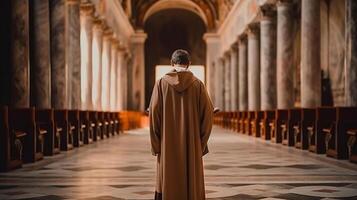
x=106 y=65
x=351 y=53
x=120 y=77
x=136 y=82
x=234 y=77
x=87 y=11
x=285 y=65
x=219 y=86
x=65 y=54
x=113 y=75
x=253 y=68
x=310 y=54
x=40 y=54
x=227 y=81
x=268 y=76
x=212 y=44
x=243 y=73
x=97 y=64
x=19 y=72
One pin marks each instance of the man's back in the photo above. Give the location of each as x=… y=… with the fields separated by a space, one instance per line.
x=180 y=122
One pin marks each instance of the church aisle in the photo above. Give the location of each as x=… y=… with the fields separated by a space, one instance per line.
x=237 y=167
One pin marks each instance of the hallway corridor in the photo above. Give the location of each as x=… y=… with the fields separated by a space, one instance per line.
x=237 y=167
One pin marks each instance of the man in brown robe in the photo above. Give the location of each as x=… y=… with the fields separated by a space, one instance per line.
x=181 y=116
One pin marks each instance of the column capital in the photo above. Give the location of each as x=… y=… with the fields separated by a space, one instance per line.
x=242 y=38
x=268 y=11
x=139 y=37
x=87 y=9
x=284 y=3
x=211 y=37
x=98 y=24
x=227 y=54
x=234 y=47
x=72 y=1
x=253 y=30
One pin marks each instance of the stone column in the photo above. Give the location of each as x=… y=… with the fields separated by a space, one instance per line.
x=219 y=86
x=243 y=73
x=87 y=11
x=136 y=82
x=19 y=73
x=65 y=54
x=234 y=77
x=113 y=75
x=212 y=43
x=120 y=77
x=253 y=68
x=310 y=54
x=285 y=65
x=97 y=64
x=351 y=53
x=40 y=54
x=268 y=59
x=106 y=62
x=227 y=81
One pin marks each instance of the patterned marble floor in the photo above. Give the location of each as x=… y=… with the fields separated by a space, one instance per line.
x=237 y=167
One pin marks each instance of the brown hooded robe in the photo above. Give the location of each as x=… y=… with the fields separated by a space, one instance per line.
x=181 y=115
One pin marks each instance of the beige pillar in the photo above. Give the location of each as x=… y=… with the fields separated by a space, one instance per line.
x=136 y=84
x=285 y=65
x=87 y=11
x=97 y=64
x=310 y=54
x=65 y=54
x=253 y=68
x=243 y=73
x=113 y=75
x=234 y=77
x=106 y=65
x=219 y=86
x=227 y=81
x=40 y=69
x=268 y=59
x=212 y=47
x=351 y=53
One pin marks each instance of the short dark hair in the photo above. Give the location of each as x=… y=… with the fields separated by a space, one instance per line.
x=180 y=57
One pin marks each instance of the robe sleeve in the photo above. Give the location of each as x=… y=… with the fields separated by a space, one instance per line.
x=206 y=118
x=155 y=118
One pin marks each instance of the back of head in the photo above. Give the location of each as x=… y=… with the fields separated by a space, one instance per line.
x=180 y=57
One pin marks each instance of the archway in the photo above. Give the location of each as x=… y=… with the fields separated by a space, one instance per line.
x=167 y=31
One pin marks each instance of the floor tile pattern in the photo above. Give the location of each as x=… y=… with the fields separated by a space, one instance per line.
x=237 y=167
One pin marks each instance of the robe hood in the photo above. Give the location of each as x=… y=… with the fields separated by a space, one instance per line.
x=180 y=81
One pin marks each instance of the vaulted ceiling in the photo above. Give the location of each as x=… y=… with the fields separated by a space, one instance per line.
x=214 y=11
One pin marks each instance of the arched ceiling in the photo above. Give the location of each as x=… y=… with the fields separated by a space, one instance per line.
x=212 y=12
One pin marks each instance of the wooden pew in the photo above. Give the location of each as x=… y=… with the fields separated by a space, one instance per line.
x=267 y=124
x=96 y=125
x=115 y=118
x=281 y=126
x=110 y=121
x=62 y=125
x=247 y=123
x=255 y=121
x=11 y=143
x=271 y=115
x=103 y=124
x=308 y=122
x=324 y=122
x=75 y=128
x=87 y=126
x=294 y=131
x=45 y=122
x=235 y=121
x=23 y=120
x=342 y=143
x=243 y=116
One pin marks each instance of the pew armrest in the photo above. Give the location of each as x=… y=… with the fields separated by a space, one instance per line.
x=352 y=132
x=20 y=134
x=42 y=131
x=72 y=128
